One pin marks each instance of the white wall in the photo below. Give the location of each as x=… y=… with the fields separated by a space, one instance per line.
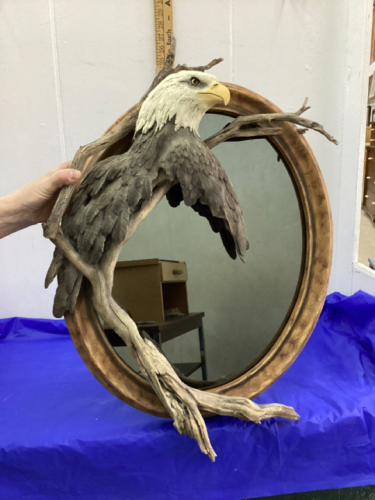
x=70 y=68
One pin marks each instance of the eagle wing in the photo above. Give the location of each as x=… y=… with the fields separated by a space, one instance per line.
x=100 y=214
x=114 y=189
x=205 y=186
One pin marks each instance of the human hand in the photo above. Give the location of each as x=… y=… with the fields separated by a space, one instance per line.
x=36 y=199
x=33 y=203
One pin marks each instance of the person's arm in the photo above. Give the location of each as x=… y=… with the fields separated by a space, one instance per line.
x=33 y=203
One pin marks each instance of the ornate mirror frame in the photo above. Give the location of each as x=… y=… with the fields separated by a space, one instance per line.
x=107 y=366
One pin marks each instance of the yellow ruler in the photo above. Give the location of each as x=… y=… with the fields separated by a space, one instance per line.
x=163 y=30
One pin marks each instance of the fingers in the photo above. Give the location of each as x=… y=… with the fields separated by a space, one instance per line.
x=52 y=172
x=63 y=166
x=63 y=176
x=66 y=164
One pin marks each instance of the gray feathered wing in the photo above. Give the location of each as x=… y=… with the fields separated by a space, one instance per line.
x=205 y=186
x=115 y=188
x=108 y=196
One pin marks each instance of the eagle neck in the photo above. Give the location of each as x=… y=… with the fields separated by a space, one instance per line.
x=157 y=110
x=164 y=132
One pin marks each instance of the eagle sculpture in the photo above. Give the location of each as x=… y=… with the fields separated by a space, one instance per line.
x=166 y=145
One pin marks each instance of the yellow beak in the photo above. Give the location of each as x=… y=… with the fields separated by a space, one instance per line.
x=216 y=94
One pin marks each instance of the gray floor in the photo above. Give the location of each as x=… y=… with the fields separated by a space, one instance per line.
x=360 y=493
x=366 y=240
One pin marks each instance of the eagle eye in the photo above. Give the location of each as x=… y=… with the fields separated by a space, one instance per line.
x=194 y=81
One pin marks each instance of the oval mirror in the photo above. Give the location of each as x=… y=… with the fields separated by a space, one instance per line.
x=258 y=315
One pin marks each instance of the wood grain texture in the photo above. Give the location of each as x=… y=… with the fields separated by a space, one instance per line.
x=130 y=387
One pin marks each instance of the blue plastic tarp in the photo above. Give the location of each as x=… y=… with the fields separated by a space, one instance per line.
x=63 y=436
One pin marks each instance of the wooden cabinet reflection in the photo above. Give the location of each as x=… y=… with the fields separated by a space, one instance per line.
x=154 y=294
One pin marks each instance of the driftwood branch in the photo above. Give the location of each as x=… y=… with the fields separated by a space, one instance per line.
x=236 y=132
x=70 y=253
x=184 y=404
x=110 y=258
x=258 y=125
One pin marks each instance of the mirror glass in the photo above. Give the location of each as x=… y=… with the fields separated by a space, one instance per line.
x=245 y=306
x=366 y=248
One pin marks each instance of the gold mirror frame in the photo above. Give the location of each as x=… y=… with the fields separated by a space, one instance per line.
x=107 y=366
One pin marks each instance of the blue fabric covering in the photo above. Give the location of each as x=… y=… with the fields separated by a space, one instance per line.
x=63 y=436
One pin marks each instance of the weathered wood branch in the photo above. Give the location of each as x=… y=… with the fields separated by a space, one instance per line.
x=70 y=253
x=239 y=127
x=232 y=133
x=110 y=258
x=183 y=403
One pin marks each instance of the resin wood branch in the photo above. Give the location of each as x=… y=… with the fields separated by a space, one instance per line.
x=184 y=404
x=258 y=126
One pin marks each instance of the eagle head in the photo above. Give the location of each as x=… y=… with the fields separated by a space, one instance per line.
x=184 y=96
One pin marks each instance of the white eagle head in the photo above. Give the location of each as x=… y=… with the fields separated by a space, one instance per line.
x=185 y=96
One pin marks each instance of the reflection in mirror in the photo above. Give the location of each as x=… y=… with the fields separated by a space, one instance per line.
x=366 y=250
x=244 y=305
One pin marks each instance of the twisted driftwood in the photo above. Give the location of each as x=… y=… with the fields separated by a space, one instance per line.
x=183 y=403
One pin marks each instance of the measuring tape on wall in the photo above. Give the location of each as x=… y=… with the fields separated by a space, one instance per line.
x=163 y=30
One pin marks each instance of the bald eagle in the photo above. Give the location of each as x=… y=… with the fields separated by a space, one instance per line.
x=166 y=142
